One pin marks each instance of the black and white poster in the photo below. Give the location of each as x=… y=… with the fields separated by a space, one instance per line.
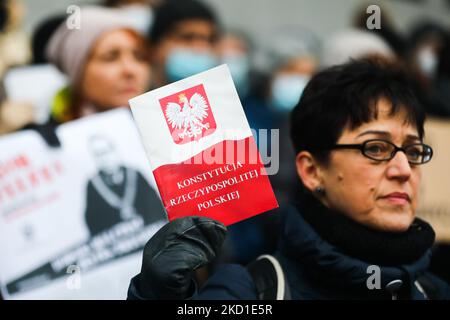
x=74 y=219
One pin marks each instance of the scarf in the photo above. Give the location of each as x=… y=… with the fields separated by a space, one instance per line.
x=356 y=240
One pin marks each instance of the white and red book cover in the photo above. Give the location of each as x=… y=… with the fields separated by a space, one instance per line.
x=201 y=149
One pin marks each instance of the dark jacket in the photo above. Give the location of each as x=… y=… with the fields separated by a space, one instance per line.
x=101 y=215
x=315 y=269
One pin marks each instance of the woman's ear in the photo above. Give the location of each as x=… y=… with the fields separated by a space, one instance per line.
x=308 y=170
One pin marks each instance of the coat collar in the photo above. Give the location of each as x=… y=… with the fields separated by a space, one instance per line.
x=328 y=264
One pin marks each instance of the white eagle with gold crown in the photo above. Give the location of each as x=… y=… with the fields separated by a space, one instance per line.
x=189 y=116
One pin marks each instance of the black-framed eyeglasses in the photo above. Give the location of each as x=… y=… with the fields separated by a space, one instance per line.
x=382 y=150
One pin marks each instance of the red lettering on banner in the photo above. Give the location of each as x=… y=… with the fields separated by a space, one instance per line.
x=22 y=182
x=9 y=190
x=58 y=167
x=33 y=178
x=9 y=166
x=46 y=174
x=20 y=185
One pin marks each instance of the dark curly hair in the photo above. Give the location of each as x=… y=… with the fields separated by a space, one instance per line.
x=3 y=14
x=347 y=95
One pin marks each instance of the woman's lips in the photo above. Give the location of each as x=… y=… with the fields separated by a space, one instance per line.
x=129 y=91
x=397 y=198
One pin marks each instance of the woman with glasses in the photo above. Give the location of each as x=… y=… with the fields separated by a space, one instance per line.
x=352 y=231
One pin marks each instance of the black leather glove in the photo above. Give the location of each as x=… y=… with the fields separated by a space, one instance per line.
x=174 y=252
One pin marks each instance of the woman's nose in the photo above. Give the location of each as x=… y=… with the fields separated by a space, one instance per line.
x=130 y=66
x=399 y=167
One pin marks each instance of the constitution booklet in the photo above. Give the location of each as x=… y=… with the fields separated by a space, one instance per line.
x=201 y=149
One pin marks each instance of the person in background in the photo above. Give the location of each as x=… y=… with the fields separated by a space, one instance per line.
x=14 y=51
x=3 y=15
x=42 y=35
x=237 y=50
x=234 y=48
x=427 y=40
x=138 y=12
x=443 y=73
x=387 y=30
x=182 y=37
x=348 y=44
x=293 y=57
x=284 y=65
x=14 y=44
x=106 y=62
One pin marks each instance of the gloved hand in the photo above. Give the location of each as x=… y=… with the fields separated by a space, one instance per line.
x=174 y=252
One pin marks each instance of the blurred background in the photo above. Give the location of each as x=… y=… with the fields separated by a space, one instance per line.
x=52 y=74
x=321 y=16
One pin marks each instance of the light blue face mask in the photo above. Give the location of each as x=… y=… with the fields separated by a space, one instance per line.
x=182 y=63
x=287 y=90
x=239 y=69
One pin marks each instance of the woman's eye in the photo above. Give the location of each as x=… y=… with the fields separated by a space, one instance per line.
x=109 y=56
x=140 y=56
x=414 y=153
x=376 y=148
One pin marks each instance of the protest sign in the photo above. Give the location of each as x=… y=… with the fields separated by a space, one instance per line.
x=74 y=219
x=201 y=149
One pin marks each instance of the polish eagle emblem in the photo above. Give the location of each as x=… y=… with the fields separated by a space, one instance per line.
x=188 y=115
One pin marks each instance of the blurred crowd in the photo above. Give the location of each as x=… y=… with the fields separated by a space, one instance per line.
x=122 y=49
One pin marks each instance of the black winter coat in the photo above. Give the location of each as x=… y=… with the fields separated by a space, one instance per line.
x=316 y=269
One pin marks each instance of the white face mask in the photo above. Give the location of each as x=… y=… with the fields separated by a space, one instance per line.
x=184 y=62
x=239 y=65
x=427 y=61
x=287 y=90
x=139 y=16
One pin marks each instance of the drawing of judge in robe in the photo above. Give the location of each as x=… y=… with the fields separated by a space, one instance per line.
x=117 y=193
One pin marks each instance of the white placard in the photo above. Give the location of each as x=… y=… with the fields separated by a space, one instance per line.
x=74 y=219
x=35 y=84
